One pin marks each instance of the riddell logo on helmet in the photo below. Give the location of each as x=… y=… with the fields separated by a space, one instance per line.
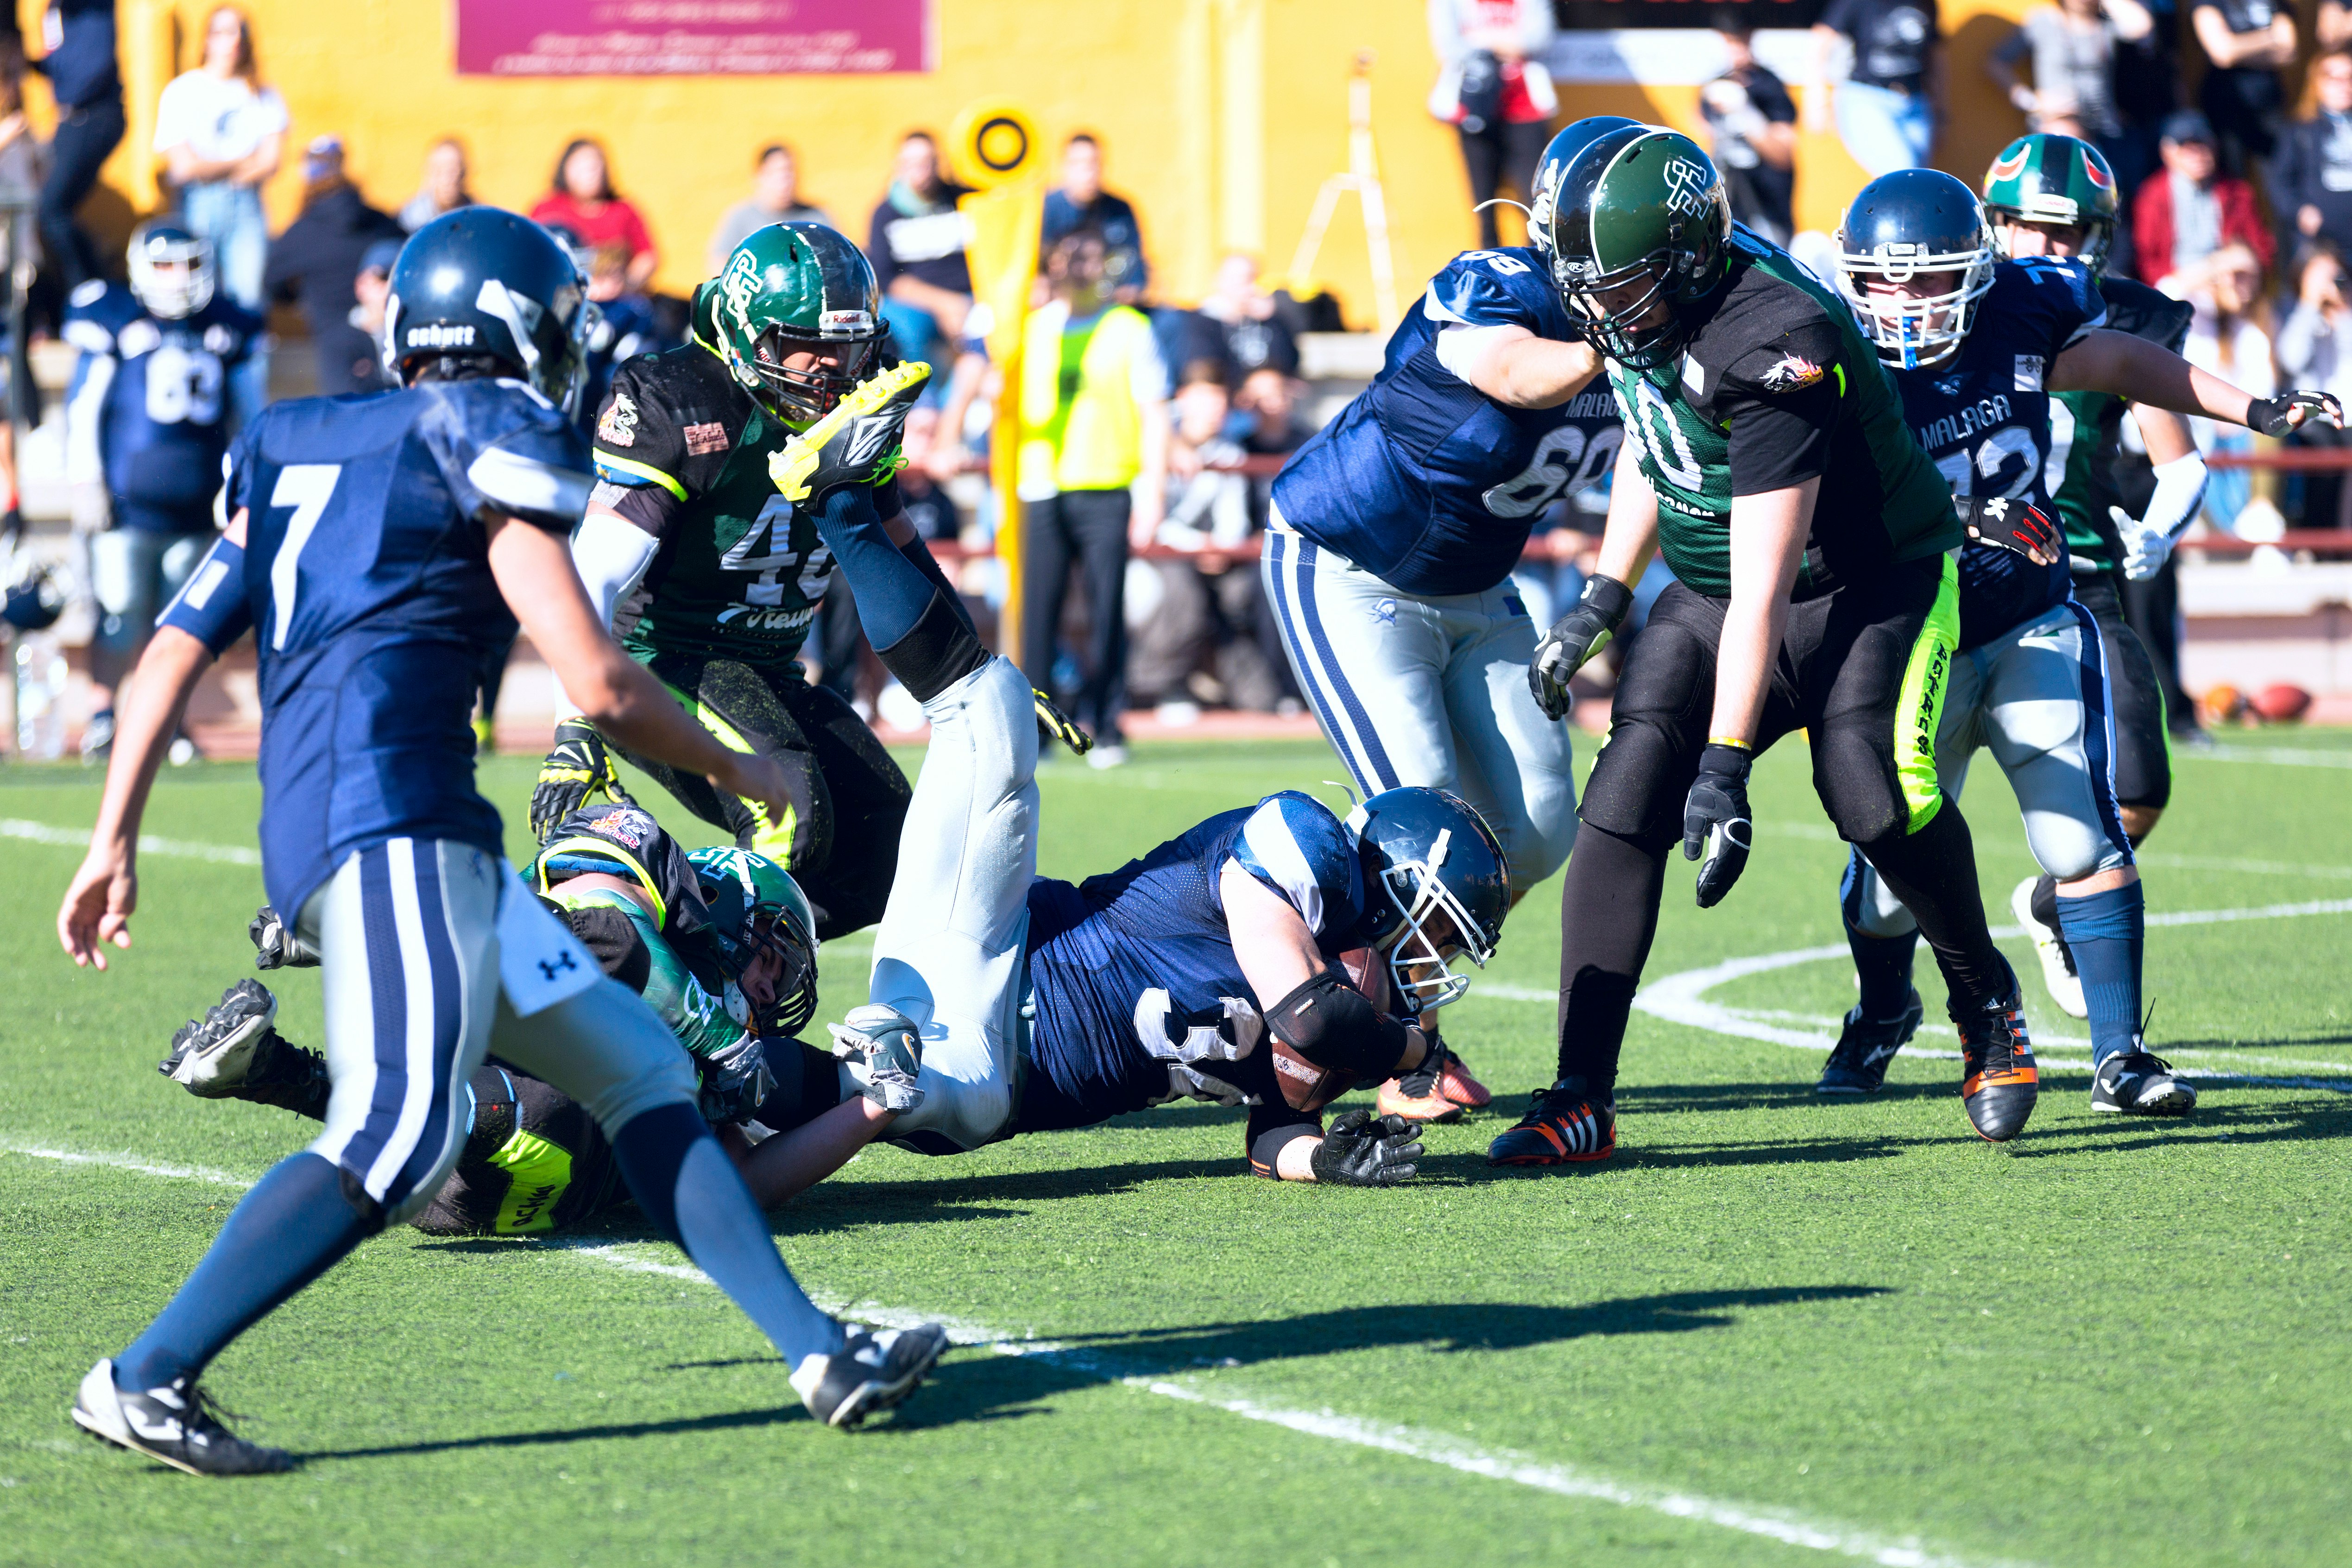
x=831 y=321
x=438 y=336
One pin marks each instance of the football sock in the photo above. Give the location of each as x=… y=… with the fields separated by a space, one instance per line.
x=1881 y=964
x=1607 y=916
x=910 y=613
x=2106 y=933
x=290 y=1229
x=1934 y=872
x=689 y=1188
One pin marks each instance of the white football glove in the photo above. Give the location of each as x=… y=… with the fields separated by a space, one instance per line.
x=2146 y=549
x=2147 y=541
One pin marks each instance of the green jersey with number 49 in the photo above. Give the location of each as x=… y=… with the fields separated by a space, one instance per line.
x=682 y=452
x=1776 y=386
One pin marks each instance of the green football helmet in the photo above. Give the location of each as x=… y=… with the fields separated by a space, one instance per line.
x=787 y=288
x=757 y=908
x=2047 y=179
x=1640 y=232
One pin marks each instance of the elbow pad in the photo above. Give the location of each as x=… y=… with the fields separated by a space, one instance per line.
x=1329 y=1022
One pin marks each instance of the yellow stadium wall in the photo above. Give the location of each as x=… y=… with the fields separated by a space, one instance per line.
x=1220 y=117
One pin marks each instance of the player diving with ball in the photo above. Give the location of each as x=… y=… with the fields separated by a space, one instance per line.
x=376 y=548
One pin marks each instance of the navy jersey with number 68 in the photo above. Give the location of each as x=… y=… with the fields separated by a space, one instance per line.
x=1423 y=480
x=368 y=586
x=147 y=408
x=1984 y=417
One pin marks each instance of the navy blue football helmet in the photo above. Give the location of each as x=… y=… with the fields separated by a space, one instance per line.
x=1427 y=854
x=1558 y=154
x=172 y=270
x=488 y=286
x=1916 y=224
x=34 y=601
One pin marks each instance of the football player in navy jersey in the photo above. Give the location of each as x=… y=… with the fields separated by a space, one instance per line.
x=146 y=424
x=375 y=546
x=1978 y=346
x=1212 y=967
x=1390 y=548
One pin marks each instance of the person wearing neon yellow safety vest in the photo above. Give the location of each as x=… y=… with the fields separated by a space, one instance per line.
x=715 y=940
x=1093 y=473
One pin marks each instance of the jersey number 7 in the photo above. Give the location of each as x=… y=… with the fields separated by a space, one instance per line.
x=305 y=487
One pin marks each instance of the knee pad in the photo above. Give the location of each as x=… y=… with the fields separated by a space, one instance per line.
x=2071 y=849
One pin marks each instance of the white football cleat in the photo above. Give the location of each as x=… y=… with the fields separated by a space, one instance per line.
x=2058 y=975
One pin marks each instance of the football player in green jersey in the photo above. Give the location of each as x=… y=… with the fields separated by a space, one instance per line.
x=715 y=940
x=1767 y=457
x=712 y=579
x=2054 y=195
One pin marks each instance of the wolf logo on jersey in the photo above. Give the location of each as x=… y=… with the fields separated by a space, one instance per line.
x=1985 y=418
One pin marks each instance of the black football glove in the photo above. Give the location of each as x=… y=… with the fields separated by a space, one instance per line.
x=1715 y=820
x=275 y=946
x=857 y=444
x=2012 y=525
x=2277 y=415
x=577 y=768
x=1574 y=638
x=1053 y=724
x=1362 y=1150
x=735 y=1082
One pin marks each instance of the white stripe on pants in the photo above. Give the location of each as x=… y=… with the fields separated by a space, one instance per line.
x=1428 y=691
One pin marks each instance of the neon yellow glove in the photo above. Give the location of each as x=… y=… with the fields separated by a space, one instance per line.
x=857 y=444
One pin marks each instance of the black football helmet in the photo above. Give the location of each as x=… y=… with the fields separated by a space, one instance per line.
x=1558 y=154
x=490 y=287
x=1428 y=853
x=1911 y=223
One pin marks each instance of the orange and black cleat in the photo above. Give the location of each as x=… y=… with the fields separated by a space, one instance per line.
x=1565 y=1124
x=1999 y=1082
x=1439 y=1089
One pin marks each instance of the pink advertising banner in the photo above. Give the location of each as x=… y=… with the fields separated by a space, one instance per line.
x=691 y=38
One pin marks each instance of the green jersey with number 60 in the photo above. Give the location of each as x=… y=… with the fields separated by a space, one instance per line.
x=1775 y=387
x=682 y=452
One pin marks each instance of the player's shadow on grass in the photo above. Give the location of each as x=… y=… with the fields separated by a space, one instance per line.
x=973 y=1388
x=2218 y=1126
x=786 y=1410
x=845 y=1201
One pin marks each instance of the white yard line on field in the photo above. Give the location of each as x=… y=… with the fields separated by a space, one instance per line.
x=2281 y=756
x=1408 y=1442
x=79 y=838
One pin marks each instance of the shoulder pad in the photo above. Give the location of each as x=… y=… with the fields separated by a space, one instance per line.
x=1488 y=289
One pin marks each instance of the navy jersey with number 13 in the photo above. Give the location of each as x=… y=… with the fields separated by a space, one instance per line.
x=1984 y=417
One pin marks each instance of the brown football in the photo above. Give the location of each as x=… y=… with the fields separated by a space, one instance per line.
x=2281 y=703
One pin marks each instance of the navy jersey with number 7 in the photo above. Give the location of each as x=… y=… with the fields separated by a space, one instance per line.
x=366 y=581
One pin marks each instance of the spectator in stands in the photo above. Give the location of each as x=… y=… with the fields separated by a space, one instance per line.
x=2311 y=183
x=2228 y=338
x=2248 y=42
x=445 y=189
x=775 y=198
x=2184 y=216
x=626 y=324
x=221 y=135
x=1094 y=466
x=2315 y=350
x=1493 y=89
x=317 y=260
x=583 y=200
x=372 y=286
x=1241 y=324
x=24 y=164
x=89 y=90
x=1887 y=107
x=2073 y=45
x=1751 y=126
x=1080 y=201
x=915 y=243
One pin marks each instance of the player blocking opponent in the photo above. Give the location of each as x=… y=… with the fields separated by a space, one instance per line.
x=711 y=579
x=376 y=546
x=1388 y=555
x=1162 y=979
x=2054 y=195
x=1977 y=346
x=1766 y=454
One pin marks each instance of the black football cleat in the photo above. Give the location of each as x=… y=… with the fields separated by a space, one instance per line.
x=1866 y=1048
x=1564 y=1125
x=874 y=1369
x=2135 y=1083
x=1999 y=1081
x=177 y=1423
x=212 y=1057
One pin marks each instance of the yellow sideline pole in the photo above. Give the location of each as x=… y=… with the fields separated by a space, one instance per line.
x=997 y=149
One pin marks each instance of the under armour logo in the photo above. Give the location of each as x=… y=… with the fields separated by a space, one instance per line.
x=560 y=964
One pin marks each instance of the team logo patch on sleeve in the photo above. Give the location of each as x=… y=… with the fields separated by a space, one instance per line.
x=2029 y=373
x=1791 y=372
x=702 y=440
x=618 y=425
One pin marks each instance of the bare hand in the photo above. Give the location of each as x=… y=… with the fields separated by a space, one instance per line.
x=97 y=908
x=760 y=779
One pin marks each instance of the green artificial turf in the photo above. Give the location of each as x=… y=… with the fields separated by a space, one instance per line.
x=1771 y=1330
